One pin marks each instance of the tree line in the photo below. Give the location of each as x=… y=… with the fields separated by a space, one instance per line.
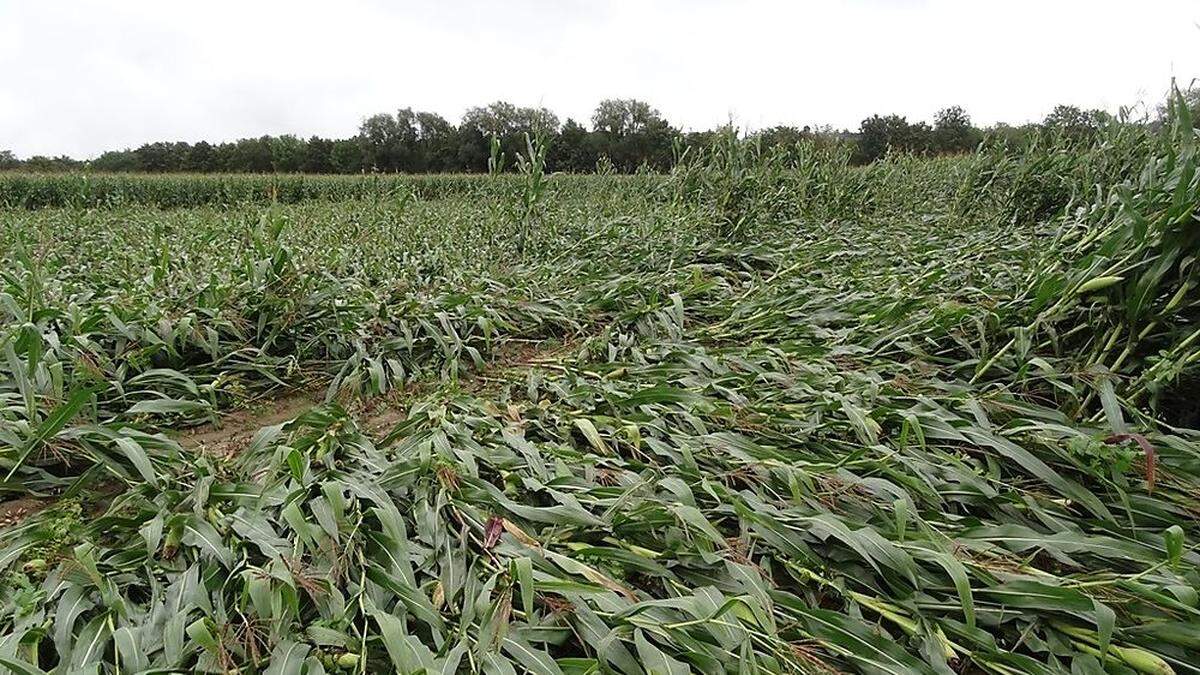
x=624 y=135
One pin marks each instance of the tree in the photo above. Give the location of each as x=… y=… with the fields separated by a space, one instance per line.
x=879 y=134
x=117 y=160
x=382 y=142
x=505 y=121
x=249 y=155
x=501 y=118
x=162 y=156
x=1072 y=123
x=624 y=116
x=573 y=150
x=223 y=157
x=287 y=154
x=537 y=122
x=470 y=148
x=413 y=141
x=317 y=156
x=50 y=164
x=435 y=143
x=346 y=155
x=783 y=136
x=1012 y=137
x=495 y=119
x=631 y=133
x=202 y=158
x=953 y=131
x=626 y=134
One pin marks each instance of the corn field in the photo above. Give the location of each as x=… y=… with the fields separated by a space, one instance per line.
x=769 y=413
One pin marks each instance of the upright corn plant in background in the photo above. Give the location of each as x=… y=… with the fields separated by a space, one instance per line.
x=523 y=202
x=496 y=157
x=743 y=186
x=531 y=191
x=734 y=178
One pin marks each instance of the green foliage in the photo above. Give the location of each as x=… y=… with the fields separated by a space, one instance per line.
x=531 y=191
x=741 y=184
x=953 y=131
x=8 y=160
x=1074 y=124
x=774 y=413
x=35 y=191
x=879 y=135
x=631 y=134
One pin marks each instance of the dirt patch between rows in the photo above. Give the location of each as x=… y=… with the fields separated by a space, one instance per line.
x=234 y=430
x=377 y=416
x=14 y=511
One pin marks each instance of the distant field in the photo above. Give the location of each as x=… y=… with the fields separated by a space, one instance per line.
x=35 y=191
x=758 y=415
x=103 y=190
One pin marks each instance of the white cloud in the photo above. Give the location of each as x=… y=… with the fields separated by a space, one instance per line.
x=84 y=76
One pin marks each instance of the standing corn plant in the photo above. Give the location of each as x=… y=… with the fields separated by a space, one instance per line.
x=527 y=197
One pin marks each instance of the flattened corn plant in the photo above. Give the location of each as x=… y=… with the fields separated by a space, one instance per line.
x=912 y=418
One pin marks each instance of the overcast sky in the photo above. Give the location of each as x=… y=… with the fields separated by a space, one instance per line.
x=84 y=76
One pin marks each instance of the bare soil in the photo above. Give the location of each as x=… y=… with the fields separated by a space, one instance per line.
x=14 y=511
x=234 y=431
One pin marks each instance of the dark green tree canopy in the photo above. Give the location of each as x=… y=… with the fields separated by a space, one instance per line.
x=953 y=131
x=1074 y=123
x=879 y=134
x=626 y=134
